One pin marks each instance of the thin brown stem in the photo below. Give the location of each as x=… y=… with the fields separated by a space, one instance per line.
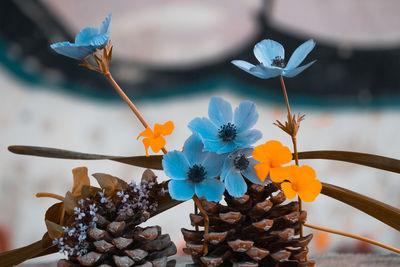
x=352 y=236
x=286 y=96
x=196 y=211
x=294 y=141
x=129 y=102
x=206 y=222
x=51 y=195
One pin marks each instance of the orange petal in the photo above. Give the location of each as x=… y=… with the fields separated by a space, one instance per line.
x=146 y=143
x=260 y=154
x=262 y=170
x=157 y=143
x=148 y=132
x=293 y=175
x=284 y=155
x=279 y=174
x=165 y=129
x=311 y=191
x=306 y=174
x=288 y=190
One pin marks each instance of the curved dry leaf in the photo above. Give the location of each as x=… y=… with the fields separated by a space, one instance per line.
x=16 y=256
x=89 y=190
x=81 y=179
x=152 y=162
x=54 y=230
x=148 y=176
x=53 y=214
x=106 y=181
x=374 y=161
x=379 y=210
x=70 y=202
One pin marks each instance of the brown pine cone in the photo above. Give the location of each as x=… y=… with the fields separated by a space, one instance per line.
x=254 y=230
x=104 y=231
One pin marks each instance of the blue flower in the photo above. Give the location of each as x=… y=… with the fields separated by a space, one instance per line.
x=271 y=56
x=236 y=165
x=86 y=41
x=193 y=171
x=224 y=131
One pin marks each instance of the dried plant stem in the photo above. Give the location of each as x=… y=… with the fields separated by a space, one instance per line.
x=206 y=222
x=196 y=211
x=129 y=102
x=51 y=195
x=294 y=141
x=373 y=242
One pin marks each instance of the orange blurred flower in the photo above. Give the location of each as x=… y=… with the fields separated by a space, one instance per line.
x=302 y=182
x=155 y=139
x=272 y=156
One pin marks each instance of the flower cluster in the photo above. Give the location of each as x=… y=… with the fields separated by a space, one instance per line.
x=155 y=139
x=73 y=241
x=294 y=179
x=217 y=155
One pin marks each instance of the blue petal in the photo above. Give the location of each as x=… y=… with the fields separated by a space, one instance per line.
x=219 y=111
x=175 y=165
x=298 y=70
x=84 y=37
x=300 y=54
x=228 y=147
x=204 y=127
x=244 y=65
x=72 y=50
x=251 y=174
x=235 y=184
x=181 y=190
x=99 y=41
x=247 y=138
x=246 y=116
x=228 y=165
x=105 y=25
x=267 y=50
x=211 y=189
x=265 y=72
x=213 y=164
x=193 y=150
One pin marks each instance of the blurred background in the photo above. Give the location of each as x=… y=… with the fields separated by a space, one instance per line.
x=171 y=56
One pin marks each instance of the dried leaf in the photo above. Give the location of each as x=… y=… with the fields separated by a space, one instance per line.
x=109 y=183
x=89 y=190
x=148 y=176
x=81 y=179
x=374 y=161
x=53 y=214
x=70 y=202
x=152 y=162
x=54 y=230
x=381 y=211
x=16 y=256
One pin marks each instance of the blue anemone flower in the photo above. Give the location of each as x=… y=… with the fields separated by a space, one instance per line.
x=271 y=56
x=224 y=131
x=86 y=41
x=236 y=165
x=193 y=171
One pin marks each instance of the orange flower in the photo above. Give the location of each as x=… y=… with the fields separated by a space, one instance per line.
x=155 y=139
x=302 y=182
x=272 y=156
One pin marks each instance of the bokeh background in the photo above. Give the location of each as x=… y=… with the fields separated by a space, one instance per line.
x=171 y=56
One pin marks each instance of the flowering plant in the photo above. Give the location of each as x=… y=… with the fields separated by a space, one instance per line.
x=218 y=159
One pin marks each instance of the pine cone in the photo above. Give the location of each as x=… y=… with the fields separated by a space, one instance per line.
x=104 y=231
x=254 y=230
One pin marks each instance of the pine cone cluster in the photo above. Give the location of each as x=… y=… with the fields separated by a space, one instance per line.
x=254 y=230
x=103 y=230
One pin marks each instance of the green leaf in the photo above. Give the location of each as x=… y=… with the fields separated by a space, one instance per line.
x=379 y=210
x=374 y=161
x=151 y=162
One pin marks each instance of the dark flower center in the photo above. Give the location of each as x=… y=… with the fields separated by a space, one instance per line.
x=227 y=132
x=278 y=62
x=196 y=174
x=241 y=162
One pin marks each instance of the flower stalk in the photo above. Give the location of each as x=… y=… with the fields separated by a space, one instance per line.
x=206 y=222
x=373 y=242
